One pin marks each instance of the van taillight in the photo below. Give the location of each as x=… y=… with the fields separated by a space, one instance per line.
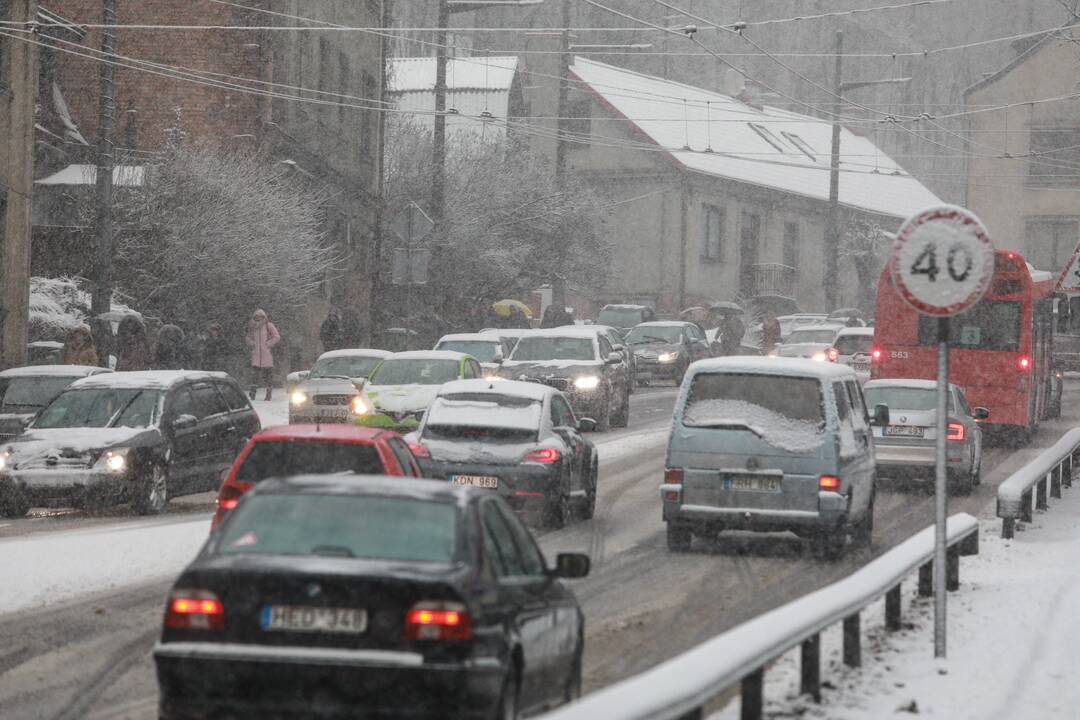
x=194 y=610
x=673 y=476
x=828 y=482
x=431 y=620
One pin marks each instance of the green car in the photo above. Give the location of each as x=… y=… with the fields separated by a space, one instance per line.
x=402 y=386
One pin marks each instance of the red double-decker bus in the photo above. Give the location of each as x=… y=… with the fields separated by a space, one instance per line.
x=1000 y=349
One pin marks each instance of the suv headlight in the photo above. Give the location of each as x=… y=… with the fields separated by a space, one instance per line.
x=298 y=397
x=359 y=405
x=114 y=461
x=668 y=357
x=587 y=382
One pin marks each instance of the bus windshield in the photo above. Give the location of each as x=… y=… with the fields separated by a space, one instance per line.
x=990 y=325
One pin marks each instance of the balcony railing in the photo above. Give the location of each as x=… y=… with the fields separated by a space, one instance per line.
x=772 y=280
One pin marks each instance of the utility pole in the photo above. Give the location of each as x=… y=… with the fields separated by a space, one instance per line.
x=438 y=143
x=101 y=300
x=832 y=224
x=558 y=283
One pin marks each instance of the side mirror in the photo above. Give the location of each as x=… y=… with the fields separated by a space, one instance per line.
x=359 y=383
x=586 y=424
x=26 y=421
x=571 y=566
x=618 y=347
x=980 y=413
x=185 y=422
x=881 y=415
x=302 y=375
x=614 y=358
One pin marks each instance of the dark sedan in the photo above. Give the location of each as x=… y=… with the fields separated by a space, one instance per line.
x=518 y=439
x=664 y=350
x=374 y=598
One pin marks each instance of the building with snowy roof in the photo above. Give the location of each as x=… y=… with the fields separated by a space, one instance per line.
x=717 y=197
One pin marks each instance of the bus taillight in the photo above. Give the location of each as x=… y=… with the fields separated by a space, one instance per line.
x=876 y=355
x=1024 y=363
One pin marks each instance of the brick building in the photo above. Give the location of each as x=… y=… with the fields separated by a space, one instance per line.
x=295 y=95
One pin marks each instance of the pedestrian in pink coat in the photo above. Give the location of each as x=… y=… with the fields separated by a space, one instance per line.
x=262 y=336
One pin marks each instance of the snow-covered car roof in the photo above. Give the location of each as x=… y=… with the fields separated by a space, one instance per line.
x=469 y=337
x=817 y=327
x=796 y=367
x=574 y=331
x=428 y=355
x=507 y=332
x=664 y=323
x=533 y=391
x=903 y=383
x=356 y=352
x=53 y=371
x=864 y=331
x=624 y=306
x=145 y=379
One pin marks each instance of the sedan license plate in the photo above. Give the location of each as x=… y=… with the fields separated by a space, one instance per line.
x=904 y=431
x=480 y=481
x=752 y=483
x=302 y=618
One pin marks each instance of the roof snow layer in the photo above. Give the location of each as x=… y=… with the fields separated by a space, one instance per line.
x=787 y=151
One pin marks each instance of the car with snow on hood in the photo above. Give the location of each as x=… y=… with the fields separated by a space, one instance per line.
x=25 y=391
x=663 y=350
x=771 y=444
x=332 y=391
x=809 y=341
x=403 y=385
x=520 y=440
x=488 y=348
x=581 y=363
x=135 y=437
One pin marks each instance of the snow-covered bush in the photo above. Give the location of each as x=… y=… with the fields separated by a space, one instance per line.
x=59 y=304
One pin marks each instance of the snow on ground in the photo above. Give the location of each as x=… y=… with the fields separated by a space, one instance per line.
x=44 y=569
x=272 y=412
x=1012 y=634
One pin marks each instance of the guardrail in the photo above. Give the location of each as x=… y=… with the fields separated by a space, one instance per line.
x=1054 y=467
x=681 y=687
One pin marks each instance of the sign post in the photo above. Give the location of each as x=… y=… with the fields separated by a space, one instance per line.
x=942 y=263
x=410 y=266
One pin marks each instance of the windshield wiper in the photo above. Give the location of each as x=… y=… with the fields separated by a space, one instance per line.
x=330 y=377
x=729 y=424
x=332 y=551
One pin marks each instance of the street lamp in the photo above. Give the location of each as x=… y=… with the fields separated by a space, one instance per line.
x=832 y=226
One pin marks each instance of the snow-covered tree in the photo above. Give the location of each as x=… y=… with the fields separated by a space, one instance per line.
x=864 y=245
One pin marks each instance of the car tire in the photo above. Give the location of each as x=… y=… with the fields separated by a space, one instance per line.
x=603 y=423
x=573 y=683
x=507 y=708
x=588 y=506
x=622 y=419
x=679 y=537
x=13 y=503
x=151 y=491
x=557 y=510
x=829 y=546
x=864 y=531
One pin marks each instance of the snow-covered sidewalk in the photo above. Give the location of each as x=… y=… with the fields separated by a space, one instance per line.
x=1013 y=634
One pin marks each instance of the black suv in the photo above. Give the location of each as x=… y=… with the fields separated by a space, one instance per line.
x=136 y=437
x=583 y=364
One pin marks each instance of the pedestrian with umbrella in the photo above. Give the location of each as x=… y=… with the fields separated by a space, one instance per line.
x=731 y=328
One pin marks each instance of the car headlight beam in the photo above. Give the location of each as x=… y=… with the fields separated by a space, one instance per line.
x=359 y=406
x=668 y=357
x=587 y=382
x=298 y=397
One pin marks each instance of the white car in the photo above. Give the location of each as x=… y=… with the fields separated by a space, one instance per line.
x=403 y=385
x=852 y=348
x=331 y=390
x=490 y=349
x=809 y=341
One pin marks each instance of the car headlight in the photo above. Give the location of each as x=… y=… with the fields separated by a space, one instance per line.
x=493 y=378
x=298 y=397
x=587 y=382
x=115 y=461
x=819 y=357
x=4 y=459
x=668 y=357
x=359 y=406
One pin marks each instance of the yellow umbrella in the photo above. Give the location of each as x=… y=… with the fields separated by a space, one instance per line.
x=502 y=308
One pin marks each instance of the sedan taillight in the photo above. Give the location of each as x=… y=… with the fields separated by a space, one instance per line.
x=194 y=610
x=431 y=620
x=956 y=432
x=544 y=456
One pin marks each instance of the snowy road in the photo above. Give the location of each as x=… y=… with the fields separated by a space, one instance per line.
x=89 y=656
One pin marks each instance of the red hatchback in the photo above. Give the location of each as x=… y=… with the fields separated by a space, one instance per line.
x=314 y=450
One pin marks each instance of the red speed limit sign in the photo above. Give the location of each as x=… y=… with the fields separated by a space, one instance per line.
x=942 y=261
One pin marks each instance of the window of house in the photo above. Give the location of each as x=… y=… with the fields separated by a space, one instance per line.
x=791 y=244
x=1051 y=241
x=1055 y=156
x=765 y=134
x=801 y=144
x=712 y=232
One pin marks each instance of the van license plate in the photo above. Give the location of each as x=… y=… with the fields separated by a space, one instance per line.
x=752 y=484
x=904 y=431
x=300 y=618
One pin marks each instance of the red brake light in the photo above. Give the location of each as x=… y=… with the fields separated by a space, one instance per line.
x=438 y=621
x=194 y=610
x=833 y=354
x=673 y=476
x=419 y=450
x=544 y=456
x=229 y=497
x=956 y=432
x=828 y=482
x=876 y=355
x=1024 y=363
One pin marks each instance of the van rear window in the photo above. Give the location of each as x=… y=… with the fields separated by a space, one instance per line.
x=793 y=398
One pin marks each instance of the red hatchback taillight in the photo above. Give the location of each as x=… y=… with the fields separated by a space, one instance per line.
x=194 y=610
x=419 y=450
x=229 y=496
x=438 y=621
x=956 y=432
x=544 y=456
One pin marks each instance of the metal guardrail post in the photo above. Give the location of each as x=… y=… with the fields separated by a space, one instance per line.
x=1067 y=480
x=892 y=609
x=1055 y=481
x=1025 y=506
x=1040 y=494
x=852 y=641
x=811 y=668
x=952 y=568
x=926 y=579
x=753 y=695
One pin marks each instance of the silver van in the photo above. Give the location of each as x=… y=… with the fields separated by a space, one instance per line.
x=771 y=444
